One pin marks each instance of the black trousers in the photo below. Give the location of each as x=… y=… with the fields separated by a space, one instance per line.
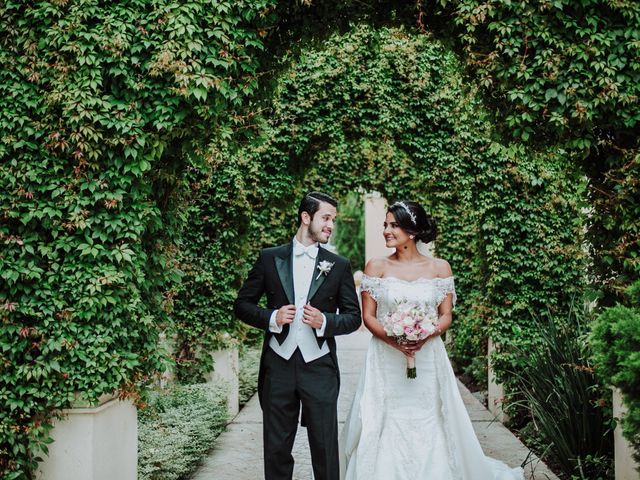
x=288 y=384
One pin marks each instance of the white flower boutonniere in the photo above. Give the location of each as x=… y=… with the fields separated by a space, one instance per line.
x=324 y=267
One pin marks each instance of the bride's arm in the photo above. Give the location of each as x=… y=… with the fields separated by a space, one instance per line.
x=446 y=306
x=444 y=315
x=370 y=307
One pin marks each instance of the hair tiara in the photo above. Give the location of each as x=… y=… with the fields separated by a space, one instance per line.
x=406 y=208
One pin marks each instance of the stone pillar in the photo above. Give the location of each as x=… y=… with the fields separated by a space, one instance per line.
x=625 y=467
x=167 y=345
x=375 y=210
x=357 y=278
x=495 y=394
x=94 y=443
x=225 y=370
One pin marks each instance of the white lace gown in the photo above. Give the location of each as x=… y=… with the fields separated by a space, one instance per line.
x=412 y=429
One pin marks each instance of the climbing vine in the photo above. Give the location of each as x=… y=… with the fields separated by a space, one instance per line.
x=103 y=105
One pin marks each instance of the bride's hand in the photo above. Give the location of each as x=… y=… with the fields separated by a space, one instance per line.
x=410 y=348
x=402 y=347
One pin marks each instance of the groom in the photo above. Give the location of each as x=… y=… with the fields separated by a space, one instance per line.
x=305 y=286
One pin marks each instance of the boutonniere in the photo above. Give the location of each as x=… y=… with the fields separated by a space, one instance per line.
x=325 y=267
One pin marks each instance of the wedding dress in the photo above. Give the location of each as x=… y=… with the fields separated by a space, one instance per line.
x=412 y=429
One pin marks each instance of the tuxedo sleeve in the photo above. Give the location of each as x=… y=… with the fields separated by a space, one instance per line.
x=246 y=305
x=349 y=319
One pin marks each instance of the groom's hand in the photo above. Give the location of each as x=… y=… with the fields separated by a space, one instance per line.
x=285 y=314
x=312 y=316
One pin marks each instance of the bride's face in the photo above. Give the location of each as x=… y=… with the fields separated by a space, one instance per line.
x=394 y=236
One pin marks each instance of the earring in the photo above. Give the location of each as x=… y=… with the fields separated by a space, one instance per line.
x=411 y=237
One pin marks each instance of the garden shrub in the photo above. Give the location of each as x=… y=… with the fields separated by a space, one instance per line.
x=248 y=374
x=615 y=339
x=177 y=429
x=179 y=425
x=570 y=410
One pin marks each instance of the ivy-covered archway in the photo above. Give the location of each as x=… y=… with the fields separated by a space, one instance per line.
x=389 y=110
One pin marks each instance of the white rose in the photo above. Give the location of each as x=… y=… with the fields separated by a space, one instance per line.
x=408 y=322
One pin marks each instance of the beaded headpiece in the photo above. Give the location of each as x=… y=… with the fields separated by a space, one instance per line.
x=406 y=208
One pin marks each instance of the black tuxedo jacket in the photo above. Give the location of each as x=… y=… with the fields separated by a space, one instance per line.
x=272 y=275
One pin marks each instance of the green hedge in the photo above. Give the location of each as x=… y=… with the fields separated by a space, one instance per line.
x=177 y=429
x=568 y=73
x=615 y=339
x=248 y=373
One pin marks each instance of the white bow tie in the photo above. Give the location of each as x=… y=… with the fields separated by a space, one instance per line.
x=311 y=250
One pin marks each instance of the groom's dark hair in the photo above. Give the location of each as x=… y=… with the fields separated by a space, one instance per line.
x=311 y=203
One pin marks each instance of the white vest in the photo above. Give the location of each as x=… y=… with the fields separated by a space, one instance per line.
x=301 y=335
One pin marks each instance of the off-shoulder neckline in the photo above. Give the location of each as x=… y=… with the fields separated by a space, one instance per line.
x=419 y=279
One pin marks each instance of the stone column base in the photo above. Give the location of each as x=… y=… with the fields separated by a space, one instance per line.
x=94 y=443
x=495 y=395
x=626 y=468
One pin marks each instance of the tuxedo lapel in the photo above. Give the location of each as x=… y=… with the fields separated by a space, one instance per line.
x=317 y=280
x=284 y=267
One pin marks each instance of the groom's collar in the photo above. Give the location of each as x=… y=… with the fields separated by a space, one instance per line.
x=286 y=250
x=295 y=242
x=300 y=250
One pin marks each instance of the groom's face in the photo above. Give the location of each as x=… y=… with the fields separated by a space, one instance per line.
x=321 y=225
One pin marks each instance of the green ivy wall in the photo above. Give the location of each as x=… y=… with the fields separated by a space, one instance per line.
x=102 y=106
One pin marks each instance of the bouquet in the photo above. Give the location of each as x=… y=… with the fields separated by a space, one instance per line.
x=410 y=322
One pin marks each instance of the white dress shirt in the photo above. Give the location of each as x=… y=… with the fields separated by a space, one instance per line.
x=300 y=335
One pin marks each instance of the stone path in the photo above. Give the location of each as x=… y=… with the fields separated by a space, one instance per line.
x=237 y=454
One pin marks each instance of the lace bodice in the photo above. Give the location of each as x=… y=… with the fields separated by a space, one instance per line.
x=388 y=291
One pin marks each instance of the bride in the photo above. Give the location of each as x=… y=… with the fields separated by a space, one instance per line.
x=402 y=428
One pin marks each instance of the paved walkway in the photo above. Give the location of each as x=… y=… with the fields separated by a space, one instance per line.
x=237 y=454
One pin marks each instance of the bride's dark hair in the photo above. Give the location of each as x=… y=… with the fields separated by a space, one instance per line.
x=413 y=219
